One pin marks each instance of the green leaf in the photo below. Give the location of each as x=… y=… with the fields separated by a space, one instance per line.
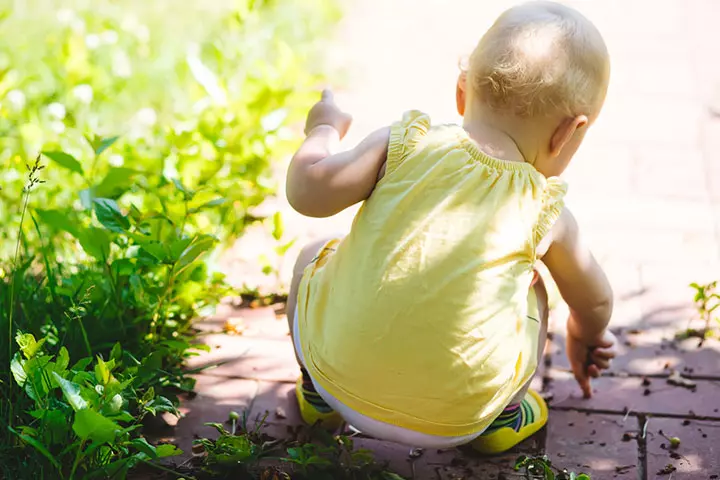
x=583 y=476
x=116 y=352
x=162 y=404
x=178 y=247
x=217 y=426
x=90 y=425
x=82 y=364
x=211 y=203
x=109 y=215
x=199 y=245
x=123 y=417
x=148 y=395
x=39 y=447
x=57 y=220
x=295 y=453
x=95 y=242
x=278 y=230
x=102 y=144
x=283 y=249
x=65 y=161
x=117 y=181
x=27 y=344
x=143 y=446
x=63 y=359
x=167 y=450
x=102 y=371
x=71 y=392
x=86 y=197
x=17 y=368
x=391 y=476
x=156 y=250
x=122 y=267
x=181 y=187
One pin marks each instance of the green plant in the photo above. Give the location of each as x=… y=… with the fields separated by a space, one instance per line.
x=542 y=468
x=85 y=417
x=114 y=247
x=206 y=101
x=280 y=249
x=246 y=453
x=707 y=300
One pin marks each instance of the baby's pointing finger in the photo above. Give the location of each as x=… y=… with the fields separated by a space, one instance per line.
x=327 y=95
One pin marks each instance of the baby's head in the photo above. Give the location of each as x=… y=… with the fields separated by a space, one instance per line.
x=541 y=69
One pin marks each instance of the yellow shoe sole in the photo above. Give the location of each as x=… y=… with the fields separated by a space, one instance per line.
x=308 y=413
x=506 y=438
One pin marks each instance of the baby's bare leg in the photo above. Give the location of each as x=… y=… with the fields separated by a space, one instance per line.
x=543 y=312
x=307 y=254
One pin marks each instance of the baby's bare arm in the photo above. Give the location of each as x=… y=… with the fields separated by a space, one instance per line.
x=581 y=281
x=321 y=184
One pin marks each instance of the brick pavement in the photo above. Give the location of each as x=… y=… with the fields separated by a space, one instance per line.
x=645 y=188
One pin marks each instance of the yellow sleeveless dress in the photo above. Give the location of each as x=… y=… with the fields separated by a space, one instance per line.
x=419 y=317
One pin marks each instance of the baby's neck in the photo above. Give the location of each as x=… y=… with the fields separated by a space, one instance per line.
x=500 y=137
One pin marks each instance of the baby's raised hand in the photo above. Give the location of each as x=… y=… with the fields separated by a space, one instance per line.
x=325 y=112
x=587 y=361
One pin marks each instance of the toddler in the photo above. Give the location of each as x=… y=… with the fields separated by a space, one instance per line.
x=426 y=323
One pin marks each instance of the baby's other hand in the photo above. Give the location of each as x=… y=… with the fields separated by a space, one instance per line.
x=325 y=112
x=587 y=361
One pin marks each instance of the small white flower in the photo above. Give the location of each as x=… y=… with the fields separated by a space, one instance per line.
x=146 y=117
x=92 y=41
x=142 y=33
x=16 y=98
x=57 y=110
x=121 y=64
x=116 y=160
x=77 y=24
x=109 y=37
x=83 y=92
x=57 y=126
x=65 y=16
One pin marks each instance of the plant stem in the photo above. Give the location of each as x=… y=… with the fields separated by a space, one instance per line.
x=165 y=469
x=77 y=460
x=14 y=275
x=12 y=296
x=85 y=337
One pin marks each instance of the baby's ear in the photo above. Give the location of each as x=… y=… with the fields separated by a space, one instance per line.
x=564 y=133
x=460 y=94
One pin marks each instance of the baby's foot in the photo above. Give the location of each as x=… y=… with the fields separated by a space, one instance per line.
x=515 y=424
x=313 y=408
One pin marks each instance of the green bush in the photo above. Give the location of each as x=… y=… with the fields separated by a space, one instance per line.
x=158 y=126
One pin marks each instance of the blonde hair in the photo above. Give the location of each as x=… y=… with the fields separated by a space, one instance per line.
x=540 y=58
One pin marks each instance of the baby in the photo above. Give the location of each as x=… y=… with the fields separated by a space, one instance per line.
x=426 y=323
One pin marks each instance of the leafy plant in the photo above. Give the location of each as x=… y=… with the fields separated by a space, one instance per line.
x=280 y=249
x=542 y=468
x=247 y=453
x=707 y=301
x=117 y=245
x=85 y=417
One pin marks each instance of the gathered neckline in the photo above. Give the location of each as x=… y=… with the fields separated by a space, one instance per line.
x=474 y=150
